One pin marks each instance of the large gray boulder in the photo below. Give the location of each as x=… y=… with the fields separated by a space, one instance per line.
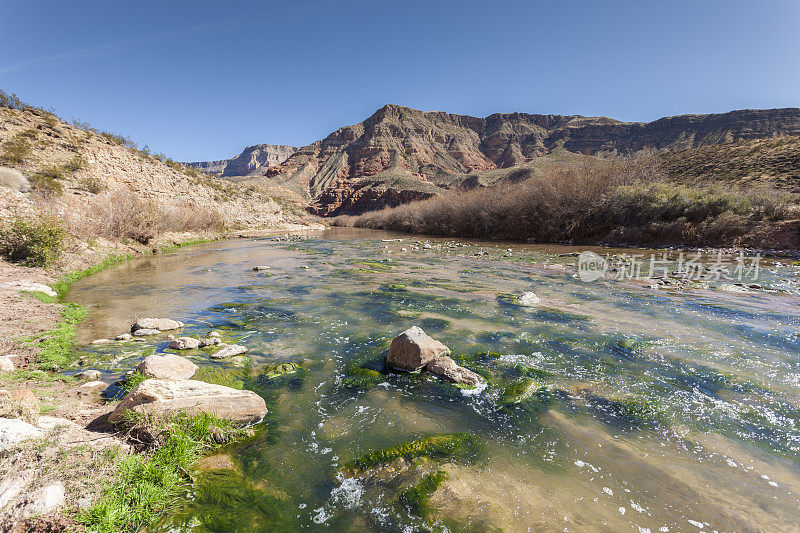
x=413 y=349
x=161 y=324
x=161 y=396
x=167 y=366
x=13 y=179
x=446 y=368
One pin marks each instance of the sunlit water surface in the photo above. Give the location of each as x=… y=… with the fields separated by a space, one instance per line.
x=715 y=444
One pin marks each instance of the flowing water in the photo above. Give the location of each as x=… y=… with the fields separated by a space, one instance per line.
x=674 y=409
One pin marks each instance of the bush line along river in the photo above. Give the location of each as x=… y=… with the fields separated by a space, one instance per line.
x=610 y=406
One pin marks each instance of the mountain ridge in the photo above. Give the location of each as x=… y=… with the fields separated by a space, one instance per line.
x=399 y=154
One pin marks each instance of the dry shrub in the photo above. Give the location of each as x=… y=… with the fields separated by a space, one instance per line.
x=123 y=215
x=615 y=200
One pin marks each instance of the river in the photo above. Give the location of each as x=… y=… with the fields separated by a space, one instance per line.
x=669 y=409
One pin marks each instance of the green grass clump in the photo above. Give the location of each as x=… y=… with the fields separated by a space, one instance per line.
x=417 y=498
x=147 y=486
x=132 y=379
x=58 y=344
x=34 y=242
x=439 y=446
x=42 y=297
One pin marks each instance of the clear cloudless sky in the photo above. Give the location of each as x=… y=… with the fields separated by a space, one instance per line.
x=202 y=79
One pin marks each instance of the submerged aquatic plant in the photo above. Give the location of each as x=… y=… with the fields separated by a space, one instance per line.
x=417 y=497
x=463 y=445
x=640 y=409
x=519 y=391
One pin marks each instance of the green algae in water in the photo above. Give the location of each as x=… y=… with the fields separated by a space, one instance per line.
x=417 y=498
x=464 y=445
x=521 y=390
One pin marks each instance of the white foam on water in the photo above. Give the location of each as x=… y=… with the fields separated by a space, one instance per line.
x=695 y=523
x=475 y=391
x=608 y=491
x=348 y=494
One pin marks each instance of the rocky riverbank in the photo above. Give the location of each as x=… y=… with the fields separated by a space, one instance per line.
x=58 y=451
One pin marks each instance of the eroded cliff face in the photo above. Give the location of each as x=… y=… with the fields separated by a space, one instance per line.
x=400 y=154
x=250 y=161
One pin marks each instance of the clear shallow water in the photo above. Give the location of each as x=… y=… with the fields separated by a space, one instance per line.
x=675 y=409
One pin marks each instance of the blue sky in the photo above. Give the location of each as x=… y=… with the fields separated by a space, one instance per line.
x=201 y=79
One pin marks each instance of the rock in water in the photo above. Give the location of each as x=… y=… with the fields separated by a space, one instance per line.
x=146 y=331
x=446 y=368
x=13 y=430
x=528 y=299
x=89 y=375
x=184 y=343
x=160 y=324
x=123 y=337
x=210 y=341
x=190 y=396
x=22 y=404
x=229 y=351
x=413 y=349
x=167 y=366
x=260 y=268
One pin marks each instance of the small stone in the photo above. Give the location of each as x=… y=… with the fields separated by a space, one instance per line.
x=413 y=349
x=101 y=341
x=427 y=246
x=215 y=334
x=229 y=351
x=6 y=364
x=528 y=299
x=184 y=343
x=145 y=332
x=123 y=337
x=260 y=267
x=91 y=375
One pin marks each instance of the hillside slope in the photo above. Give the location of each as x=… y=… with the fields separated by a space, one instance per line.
x=400 y=154
x=90 y=177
